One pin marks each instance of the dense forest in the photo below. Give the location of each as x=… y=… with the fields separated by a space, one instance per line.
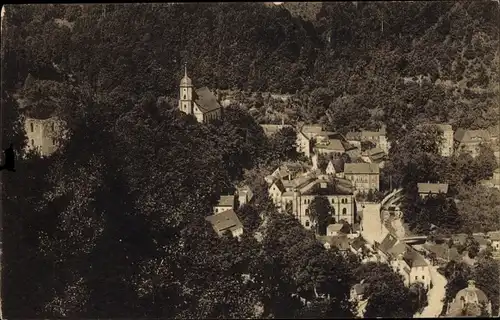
x=112 y=224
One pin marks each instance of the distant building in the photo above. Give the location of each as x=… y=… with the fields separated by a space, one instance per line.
x=404 y=260
x=469 y=140
x=376 y=137
x=446 y=147
x=245 y=195
x=44 y=134
x=428 y=189
x=297 y=194
x=494 y=239
x=364 y=176
x=225 y=203
x=226 y=221
x=201 y=103
x=468 y=302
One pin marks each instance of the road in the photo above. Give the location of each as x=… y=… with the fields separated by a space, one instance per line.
x=373 y=230
x=435 y=295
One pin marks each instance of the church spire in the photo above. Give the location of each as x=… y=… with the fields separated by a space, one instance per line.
x=185 y=70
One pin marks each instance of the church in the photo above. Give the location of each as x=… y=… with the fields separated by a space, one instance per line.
x=201 y=103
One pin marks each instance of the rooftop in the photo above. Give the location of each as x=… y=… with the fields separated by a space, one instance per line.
x=468 y=136
x=226 y=201
x=494 y=235
x=361 y=168
x=227 y=220
x=334 y=227
x=331 y=144
x=434 y=188
x=413 y=258
x=206 y=100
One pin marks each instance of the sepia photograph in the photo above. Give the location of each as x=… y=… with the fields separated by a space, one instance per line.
x=250 y=160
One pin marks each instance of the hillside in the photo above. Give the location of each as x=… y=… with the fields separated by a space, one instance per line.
x=435 y=61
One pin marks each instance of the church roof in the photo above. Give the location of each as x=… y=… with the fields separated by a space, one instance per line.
x=186 y=81
x=205 y=100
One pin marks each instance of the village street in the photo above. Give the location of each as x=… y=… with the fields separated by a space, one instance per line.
x=435 y=295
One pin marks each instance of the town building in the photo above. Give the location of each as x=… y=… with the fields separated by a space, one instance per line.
x=405 y=260
x=44 y=135
x=364 y=176
x=494 y=239
x=374 y=155
x=201 y=103
x=430 y=189
x=226 y=221
x=469 y=141
x=295 y=195
x=447 y=142
x=226 y=202
x=468 y=302
x=378 y=138
x=245 y=195
x=335 y=229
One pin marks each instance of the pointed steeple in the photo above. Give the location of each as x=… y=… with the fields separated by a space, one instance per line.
x=186 y=81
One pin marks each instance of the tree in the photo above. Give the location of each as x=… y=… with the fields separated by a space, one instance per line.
x=283 y=144
x=319 y=212
x=457 y=274
x=486 y=272
x=472 y=246
x=486 y=161
x=382 y=283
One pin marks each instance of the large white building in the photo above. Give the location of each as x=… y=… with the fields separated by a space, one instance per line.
x=297 y=193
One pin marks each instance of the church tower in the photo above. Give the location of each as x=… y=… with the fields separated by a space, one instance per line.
x=186 y=94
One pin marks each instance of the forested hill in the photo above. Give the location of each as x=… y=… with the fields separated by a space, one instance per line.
x=365 y=56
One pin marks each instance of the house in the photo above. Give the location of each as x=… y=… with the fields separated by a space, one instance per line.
x=442 y=253
x=358 y=244
x=335 y=229
x=446 y=147
x=468 y=301
x=341 y=242
x=226 y=221
x=335 y=168
x=44 y=134
x=405 y=260
x=428 y=189
x=201 y=103
x=329 y=146
x=364 y=176
x=225 y=203
x=357 y=291
x=469 y=140
x=378 y=138
x=494 y=239
x=245 y=195
x=296 y=195
x=375 y=155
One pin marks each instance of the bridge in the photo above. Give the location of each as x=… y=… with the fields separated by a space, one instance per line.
x=395 y=195
x=414 y=239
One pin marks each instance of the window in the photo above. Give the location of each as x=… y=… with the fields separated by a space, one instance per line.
x=423 y=277
x=333 y=200
x=307 y=223
x=416 y=278
x=305 y=201
x=53 y=141
x=32 y=141
x=307 y=211
x=184 y=97
x=216 y=210
x=32 y=128
x=344 y=211
x=53 y=127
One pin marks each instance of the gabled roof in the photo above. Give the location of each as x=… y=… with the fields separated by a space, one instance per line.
x=434 y=188
x=226 y=220
x=414 y=259
x=311 y=128
x=205 y=100
x=358 y=243
x=397 y=249
x=469 y=136
x=388 y=242
x=334 y=227
x=279 y=185
x=361 y=168
x=331 y=144
x=226 y=201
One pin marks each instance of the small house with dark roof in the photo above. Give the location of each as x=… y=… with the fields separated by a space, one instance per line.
x=430 y=189
x=226 y=202
x=201 y=103
x=226 y=221
x=494 y=239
